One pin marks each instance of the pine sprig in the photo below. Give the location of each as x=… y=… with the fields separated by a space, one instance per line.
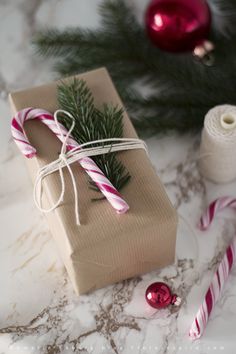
x=182 y=89
x=93 y=124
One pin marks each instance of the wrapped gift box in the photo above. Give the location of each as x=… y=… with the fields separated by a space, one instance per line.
x=107 y=247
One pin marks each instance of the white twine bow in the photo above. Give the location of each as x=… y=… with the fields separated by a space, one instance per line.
x=66 y=158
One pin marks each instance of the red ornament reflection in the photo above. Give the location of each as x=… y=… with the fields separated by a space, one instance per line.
x=158 y=295
x=178 y=25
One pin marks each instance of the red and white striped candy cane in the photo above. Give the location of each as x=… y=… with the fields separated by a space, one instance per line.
x=216 y=206
x=105 y=186
x=213 y=293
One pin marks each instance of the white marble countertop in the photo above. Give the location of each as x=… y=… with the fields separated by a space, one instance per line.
x=39 y=312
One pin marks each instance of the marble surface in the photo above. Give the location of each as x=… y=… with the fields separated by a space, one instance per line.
x=39 y=312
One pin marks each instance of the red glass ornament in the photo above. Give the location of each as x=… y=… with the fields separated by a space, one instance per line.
x=178 y=25
x=158 y=295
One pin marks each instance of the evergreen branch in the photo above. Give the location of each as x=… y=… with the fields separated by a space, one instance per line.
x=182 y=89
x=224 y=18
x=53 y=42
x=93 y=124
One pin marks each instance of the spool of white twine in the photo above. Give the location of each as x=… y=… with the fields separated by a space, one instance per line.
x=218 y=145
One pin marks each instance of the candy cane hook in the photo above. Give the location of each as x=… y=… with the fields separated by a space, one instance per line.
x=19 y=136
x=216 y=206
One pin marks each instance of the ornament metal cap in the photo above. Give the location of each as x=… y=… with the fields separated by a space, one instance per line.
x=204 y=53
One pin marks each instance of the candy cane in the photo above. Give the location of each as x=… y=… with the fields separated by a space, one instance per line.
x=213 y=293
x=105 y=186
x=216 y=206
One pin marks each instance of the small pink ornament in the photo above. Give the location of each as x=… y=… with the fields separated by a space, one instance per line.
x=159 y=296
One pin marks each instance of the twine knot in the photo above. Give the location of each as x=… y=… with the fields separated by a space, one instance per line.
x=63 y=157
x=66 y=158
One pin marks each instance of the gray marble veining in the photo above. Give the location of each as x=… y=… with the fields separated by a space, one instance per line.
x=39 y=311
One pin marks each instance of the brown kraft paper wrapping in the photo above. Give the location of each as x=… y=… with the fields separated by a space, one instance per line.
x=107 y=247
